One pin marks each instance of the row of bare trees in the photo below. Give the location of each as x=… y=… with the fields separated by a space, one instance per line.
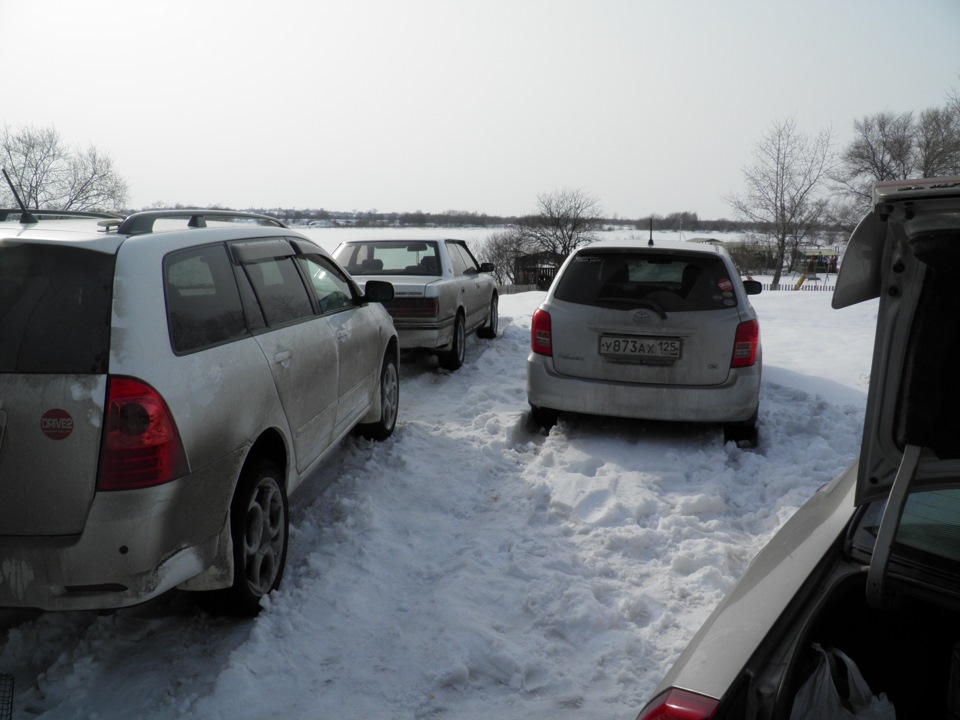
x=48 y=174
x=797 y=184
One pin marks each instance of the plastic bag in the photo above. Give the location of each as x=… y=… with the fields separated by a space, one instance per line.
x=819 y=698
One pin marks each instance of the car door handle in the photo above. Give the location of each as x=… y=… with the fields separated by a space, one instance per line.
x=342 y=335
x=283 y=357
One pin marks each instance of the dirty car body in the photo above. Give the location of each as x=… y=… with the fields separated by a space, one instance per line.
x=661 y=331
x=162 y=390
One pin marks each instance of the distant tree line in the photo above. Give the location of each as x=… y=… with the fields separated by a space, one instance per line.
x=799 y=190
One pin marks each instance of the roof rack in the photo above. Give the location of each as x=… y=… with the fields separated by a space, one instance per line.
x=17 y=214
x=142 y=222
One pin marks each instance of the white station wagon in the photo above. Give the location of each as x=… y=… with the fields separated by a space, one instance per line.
x=441 y=292
x=164 y=385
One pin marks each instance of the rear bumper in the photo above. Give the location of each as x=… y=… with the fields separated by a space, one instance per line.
x=136 y=545
x=433 y=336
x=735 y=400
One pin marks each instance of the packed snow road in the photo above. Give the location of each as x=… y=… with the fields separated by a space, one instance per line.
x=471 y=567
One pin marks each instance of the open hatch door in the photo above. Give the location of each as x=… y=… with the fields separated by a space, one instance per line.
x=907 y=252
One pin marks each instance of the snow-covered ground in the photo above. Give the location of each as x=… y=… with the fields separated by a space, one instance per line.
x=470 y=567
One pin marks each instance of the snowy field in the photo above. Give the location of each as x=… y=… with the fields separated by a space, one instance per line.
x=472 y=568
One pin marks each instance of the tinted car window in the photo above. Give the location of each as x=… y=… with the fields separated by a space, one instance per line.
x=459 y=264
x=676 y=282
x=279 y=289
x=332 y=288
x=203 y=304
x=466 y=260
x=55 y=305
x=930 y=525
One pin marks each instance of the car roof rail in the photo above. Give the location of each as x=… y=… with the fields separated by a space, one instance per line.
x=142 y=222
x=11 y=213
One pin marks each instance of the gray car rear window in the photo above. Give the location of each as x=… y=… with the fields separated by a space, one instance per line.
x=55 y=305
x=673 y=282
x=930 y=525
x=389 y=258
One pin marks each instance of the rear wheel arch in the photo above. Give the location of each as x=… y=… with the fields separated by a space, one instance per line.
x=257 y=527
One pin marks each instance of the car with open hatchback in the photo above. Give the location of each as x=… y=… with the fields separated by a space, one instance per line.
x=167 y=380
x=649 y=330
x=441 y=292
x=870 y=565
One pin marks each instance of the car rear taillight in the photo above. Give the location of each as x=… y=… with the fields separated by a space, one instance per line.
x=413 y=308
x=676 y=704
x=746 y=343
x=141 y=445
x=540 y=333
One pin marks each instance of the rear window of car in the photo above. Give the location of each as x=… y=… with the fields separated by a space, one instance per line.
x=55 y=305
x=929 y=525
x=673 y=282
x=389 y=258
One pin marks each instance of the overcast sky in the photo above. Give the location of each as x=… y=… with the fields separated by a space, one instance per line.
x=651 y=106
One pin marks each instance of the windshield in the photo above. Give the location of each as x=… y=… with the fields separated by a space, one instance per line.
x=389 y=258
x=55 y=305
x=675 y=281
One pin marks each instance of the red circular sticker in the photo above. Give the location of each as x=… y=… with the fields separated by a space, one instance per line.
x=725 y=285
x=56 y=424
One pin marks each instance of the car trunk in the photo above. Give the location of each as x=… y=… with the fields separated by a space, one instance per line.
x=55 y=308
x=906 y=650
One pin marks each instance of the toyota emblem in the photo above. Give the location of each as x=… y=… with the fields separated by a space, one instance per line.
x=641 y=317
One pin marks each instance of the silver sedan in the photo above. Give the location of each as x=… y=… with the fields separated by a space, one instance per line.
x=441 y=292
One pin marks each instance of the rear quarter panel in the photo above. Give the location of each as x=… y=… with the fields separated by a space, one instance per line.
x=221 y=398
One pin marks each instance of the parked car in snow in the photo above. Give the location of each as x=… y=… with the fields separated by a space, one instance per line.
x=441 y=292
x=658 y=331
x=166 y=381
x=870 y=564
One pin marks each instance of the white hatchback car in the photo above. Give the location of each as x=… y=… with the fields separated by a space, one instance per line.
x=656 y=331
x=166 y=380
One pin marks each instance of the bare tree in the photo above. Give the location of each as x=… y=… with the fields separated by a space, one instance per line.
x=49 y=175
x=938 y=142
x=565 y=220
x=888 y=146
x=503 y=248
x=783 y=187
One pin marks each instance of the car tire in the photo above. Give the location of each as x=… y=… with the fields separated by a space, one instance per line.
x=543 y=417
x=389 y=401
x=489 y=330
x=453 y=358
x=743 y=434
x=259 y=528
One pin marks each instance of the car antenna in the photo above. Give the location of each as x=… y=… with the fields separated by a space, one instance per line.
x=650 y=241
x=26 y=217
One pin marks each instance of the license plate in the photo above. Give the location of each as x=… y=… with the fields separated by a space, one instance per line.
x=640 y=348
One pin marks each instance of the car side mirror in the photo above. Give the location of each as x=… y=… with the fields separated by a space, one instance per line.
x=378 y=291
x=753 y=287
x=487 y=267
